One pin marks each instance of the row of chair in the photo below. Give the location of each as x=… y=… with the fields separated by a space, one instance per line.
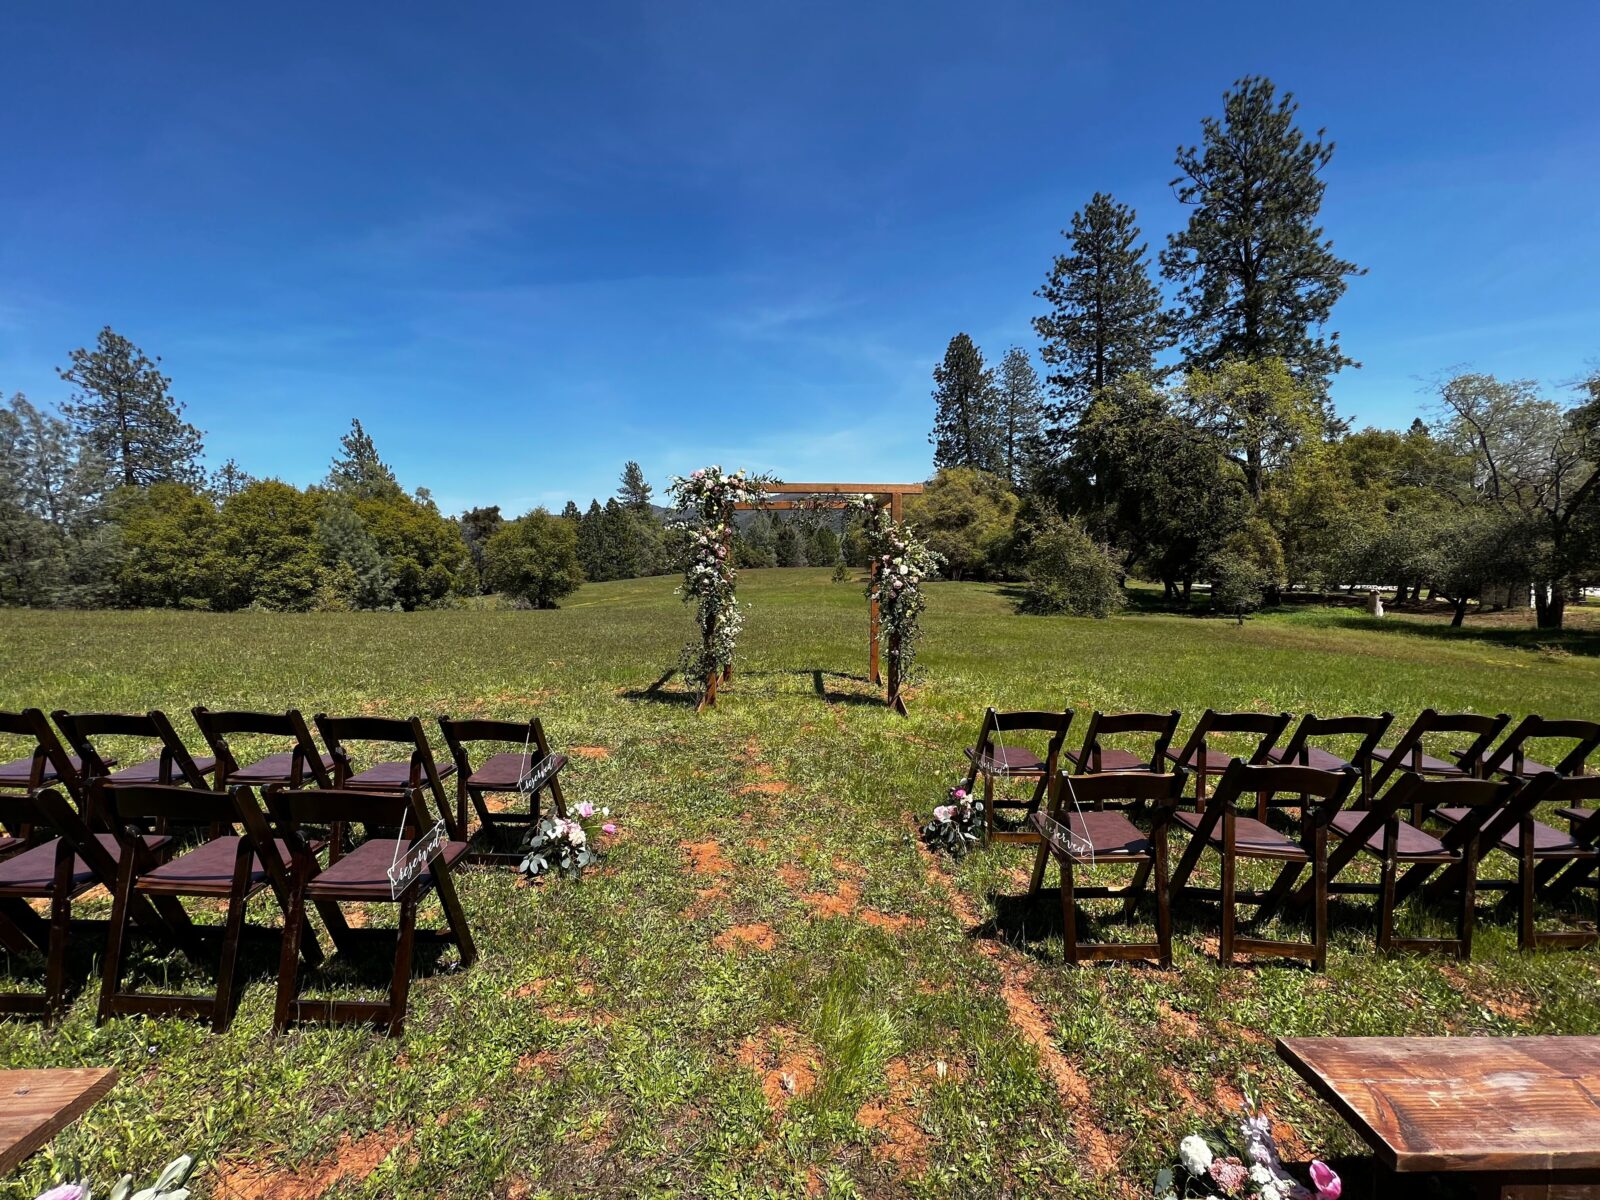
x=1479 y=798
x=182 y=825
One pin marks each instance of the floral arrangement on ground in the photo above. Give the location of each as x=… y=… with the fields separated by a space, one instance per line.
x=955 y=824
x=1240 y=1162
x=565 y=845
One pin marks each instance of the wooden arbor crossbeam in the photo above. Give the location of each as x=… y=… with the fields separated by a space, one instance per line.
x=836 y=496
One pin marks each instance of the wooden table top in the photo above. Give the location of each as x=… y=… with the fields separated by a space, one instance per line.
x=1512 y=1104
x=37 y=1105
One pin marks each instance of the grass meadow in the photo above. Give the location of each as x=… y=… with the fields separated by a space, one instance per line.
x=770 y=989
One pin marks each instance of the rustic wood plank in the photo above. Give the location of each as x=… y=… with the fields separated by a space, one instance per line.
x=1482 y=1105
x=37 y=1105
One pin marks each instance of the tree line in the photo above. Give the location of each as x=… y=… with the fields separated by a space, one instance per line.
x=1188 y=437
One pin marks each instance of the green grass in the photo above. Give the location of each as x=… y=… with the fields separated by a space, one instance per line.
x=604 y=1045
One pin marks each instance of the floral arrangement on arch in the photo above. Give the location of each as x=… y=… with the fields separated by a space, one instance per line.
x=903 y=563
x=1240 y=1163
x=565 y=845
x=709 y=495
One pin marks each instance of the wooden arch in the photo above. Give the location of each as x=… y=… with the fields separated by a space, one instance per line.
x=814 y=496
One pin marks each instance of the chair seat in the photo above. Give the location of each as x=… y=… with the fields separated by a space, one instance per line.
x=1251 y=838
x=1310 y=757
x=1425 y=764
x=390 y=776
x=502 y=772
x=32 y=873
x=150 y=772
x=207 y=870
x=1410 y=843
x=19 y=772
x=1010 y=760
x=1101 y=835
x=363 y=873
x=1576 y=814
x=1529 y=767
x=1546 y=839
x=8 y=843
x=1113 y=760
x=275 y=768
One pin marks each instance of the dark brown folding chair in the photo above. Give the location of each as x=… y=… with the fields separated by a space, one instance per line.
x=59 y=870
x=364 y=876
x=174 y=763
x=394 y=777
x=233 y=867
x=1096 y=759
x=47 y=764
x=1298 y=750
x=1234 y=837
x=1549 y=861
x=1410 y=753
x=530 y=770
x=997 y=756
x=1510 y=756
x=1198 y=756
x=300 y=765
x=1379 y=831
x=1088 y=826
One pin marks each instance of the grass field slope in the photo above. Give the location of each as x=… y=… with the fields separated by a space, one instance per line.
x=770 y=989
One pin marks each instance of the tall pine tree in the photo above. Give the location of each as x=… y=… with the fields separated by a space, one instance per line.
x=359 y=471
x=1257 y=278
x=633 y=490
x=1021 y=409
x=965 y=429
x=1105 y=319
x=123 y=411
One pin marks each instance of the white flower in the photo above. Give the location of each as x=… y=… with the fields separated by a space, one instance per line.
x=1194 y=1154
x=1260 y=1176
x=944 y=812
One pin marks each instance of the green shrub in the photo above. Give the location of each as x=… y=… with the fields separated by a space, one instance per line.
x=534 y=559
x=1069 y=572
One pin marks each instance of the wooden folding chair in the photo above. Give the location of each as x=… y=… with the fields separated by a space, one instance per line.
x=1379 y=831
x=1298 y=750
x=1234 y=837
x=1510 y=756
x=1410 y=752
x=1088 y=826
x=995 y=756
x=1096 y=759
x=395 y=777
x=59 y=870
x=1197 y=755
x=301 y=765
x=234 y=867
x=174 y=764
x=1549 y=861
x=47 y=765
x=363 y=876
x=530 y=770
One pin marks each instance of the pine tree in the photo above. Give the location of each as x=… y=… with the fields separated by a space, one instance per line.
x=348 y=544
x=964 y=427
x=592 y=552
x=478 y=525
x=359 y=471
x=1105 y=319
x=634 y=492
x=229 y=480
x=1258 y=280
x=124 y=413
x=1021 y=409
x=571 y=513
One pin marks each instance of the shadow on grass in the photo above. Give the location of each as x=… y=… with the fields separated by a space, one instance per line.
x=1573 y=641
x=819 y=684
x=656 y=693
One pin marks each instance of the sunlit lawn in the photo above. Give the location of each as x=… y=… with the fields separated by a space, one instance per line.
x=766 y=1013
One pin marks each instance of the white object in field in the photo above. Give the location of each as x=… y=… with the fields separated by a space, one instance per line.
x=1375 y=603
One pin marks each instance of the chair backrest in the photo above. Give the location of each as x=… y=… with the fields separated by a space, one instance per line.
x=140 y=803
x=1115 y=789
x=1368 y=729
x=316 y=806
x=1510 y=754
x=995 y=722
x=406 y=731
x=459 y=734
x=1408 y=751
x=216 y=727
x=1102 y=724
x=1283 y=786
x=1422 y=795
x=48 y=808
x=48 y=752
x=1268 y=728
x=82 y=728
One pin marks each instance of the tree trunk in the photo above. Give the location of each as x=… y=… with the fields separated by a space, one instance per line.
x=1167 y=590
x=1460 y=614
x=1188 y=587
x=1549 y=603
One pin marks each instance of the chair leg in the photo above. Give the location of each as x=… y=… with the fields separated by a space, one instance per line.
x=1040 y=861
x=1319 y=879
x=1469 y=899
x=404 y=951
x=1226 y=941
x=1069 y=912
x=1525 y=869
x=456 y=917
x=55 y=977
x=117 y=940
x=988 y=807
x=1386 y=904
x=289 y=960
x=1163 y=901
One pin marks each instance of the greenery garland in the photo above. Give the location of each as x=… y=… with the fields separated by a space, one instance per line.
x=708 y=496
x=903 y=562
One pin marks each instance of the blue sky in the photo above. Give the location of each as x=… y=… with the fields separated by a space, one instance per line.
x=524 y=243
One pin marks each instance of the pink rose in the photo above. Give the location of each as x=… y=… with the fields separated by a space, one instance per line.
x=959 y=794
x=1229 y=1174
x=609 y=827
x=65 y=1191
x=1326 y=1181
